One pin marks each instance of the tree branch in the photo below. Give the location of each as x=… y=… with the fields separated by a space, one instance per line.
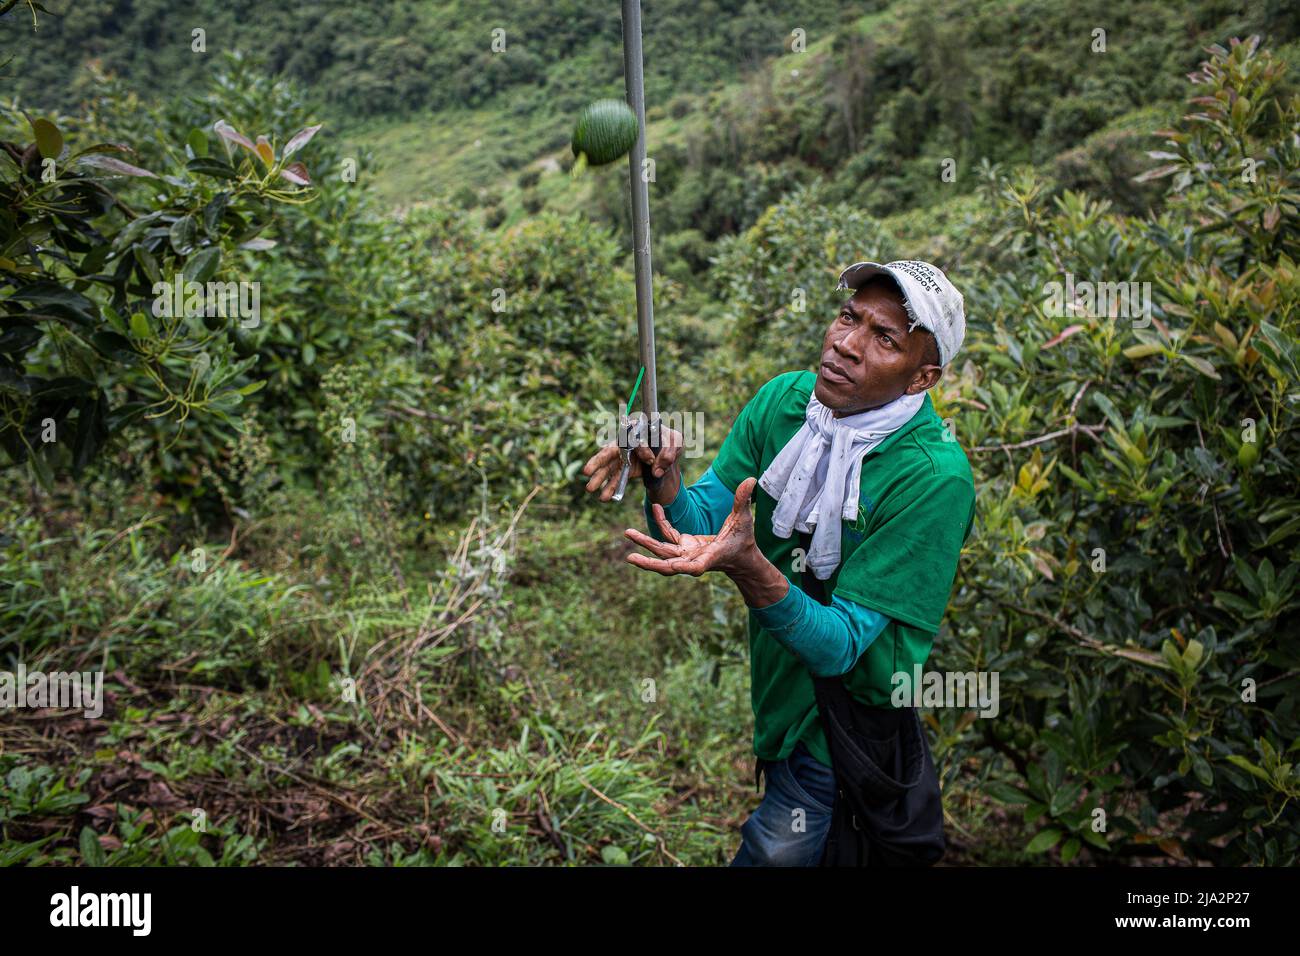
x=1090 y=430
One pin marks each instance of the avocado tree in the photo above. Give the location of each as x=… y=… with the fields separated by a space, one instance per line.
x=123 y=305
x=119 y=294
x=1133 y=577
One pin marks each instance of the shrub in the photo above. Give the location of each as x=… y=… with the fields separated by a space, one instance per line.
x=1133 y=569
x=90 y=349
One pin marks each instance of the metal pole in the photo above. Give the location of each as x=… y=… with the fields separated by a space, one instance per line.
x=645 y=310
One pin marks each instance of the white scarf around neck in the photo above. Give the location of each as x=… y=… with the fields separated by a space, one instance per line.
x=815 y=477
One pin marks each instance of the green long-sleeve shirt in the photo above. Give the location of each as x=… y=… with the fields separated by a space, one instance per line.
x=898 y=558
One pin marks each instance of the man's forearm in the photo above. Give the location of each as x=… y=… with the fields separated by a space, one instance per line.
x=830 y=638
x=759 y=581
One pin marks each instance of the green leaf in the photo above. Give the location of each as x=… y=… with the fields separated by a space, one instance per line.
x=197 y=141
x=13 y=383
x=614 y=855
x=183 y=234
x=147 y=263
x=1033 y=811
x=65 y=387
x=211 y=166
x=1070 y=850
x=1201 y=365
x=58 y=300
x=1279 y=347
x=19 y=339
x=1064 y=798
x=1005 y=793
x=114 y=346
x=41 y=468
x=134 y=230
x=1201 y=768
x=1109 y=410
x=213 y=213
x=1142 y=351
x=90 y=434
x=103 y=148
x=1075 y=477
x=1283 y=531
x=202 y=266
x=1247 y=576
x=1044 y=841
x=1238 y=761
x=48 y=138
x=92 y=854
x=1096 y=839
x=1235 y=603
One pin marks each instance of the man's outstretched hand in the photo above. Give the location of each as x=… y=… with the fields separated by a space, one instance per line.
x=731 y=549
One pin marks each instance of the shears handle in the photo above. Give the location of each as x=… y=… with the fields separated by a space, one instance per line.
x=633 y=440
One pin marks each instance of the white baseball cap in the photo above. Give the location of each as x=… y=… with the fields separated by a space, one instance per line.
x=932 y=301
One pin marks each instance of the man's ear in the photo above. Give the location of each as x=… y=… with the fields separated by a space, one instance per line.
x=925 y=378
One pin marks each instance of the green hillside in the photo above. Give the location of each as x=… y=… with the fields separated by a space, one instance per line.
x=872 y=108
x=874 y=103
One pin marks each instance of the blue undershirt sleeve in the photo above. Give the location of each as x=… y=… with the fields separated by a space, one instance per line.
x=828 y=638
x=699 y=509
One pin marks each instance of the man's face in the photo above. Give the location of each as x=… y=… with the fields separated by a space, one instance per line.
x=869 y=358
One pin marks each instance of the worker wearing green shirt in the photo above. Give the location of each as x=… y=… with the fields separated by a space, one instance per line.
x=855 y=455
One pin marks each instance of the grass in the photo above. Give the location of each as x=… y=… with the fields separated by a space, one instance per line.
x=550 y=729
x=299 y=701
x=593 y=714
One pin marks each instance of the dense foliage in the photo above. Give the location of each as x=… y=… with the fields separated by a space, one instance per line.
x=404 y=57
x=109 y=308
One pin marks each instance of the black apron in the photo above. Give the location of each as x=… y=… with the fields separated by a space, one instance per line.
x=887 y=809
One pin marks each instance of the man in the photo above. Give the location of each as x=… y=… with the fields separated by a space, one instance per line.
x=856 y=456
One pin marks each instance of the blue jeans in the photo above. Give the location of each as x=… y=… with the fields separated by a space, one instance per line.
x=789 y=827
